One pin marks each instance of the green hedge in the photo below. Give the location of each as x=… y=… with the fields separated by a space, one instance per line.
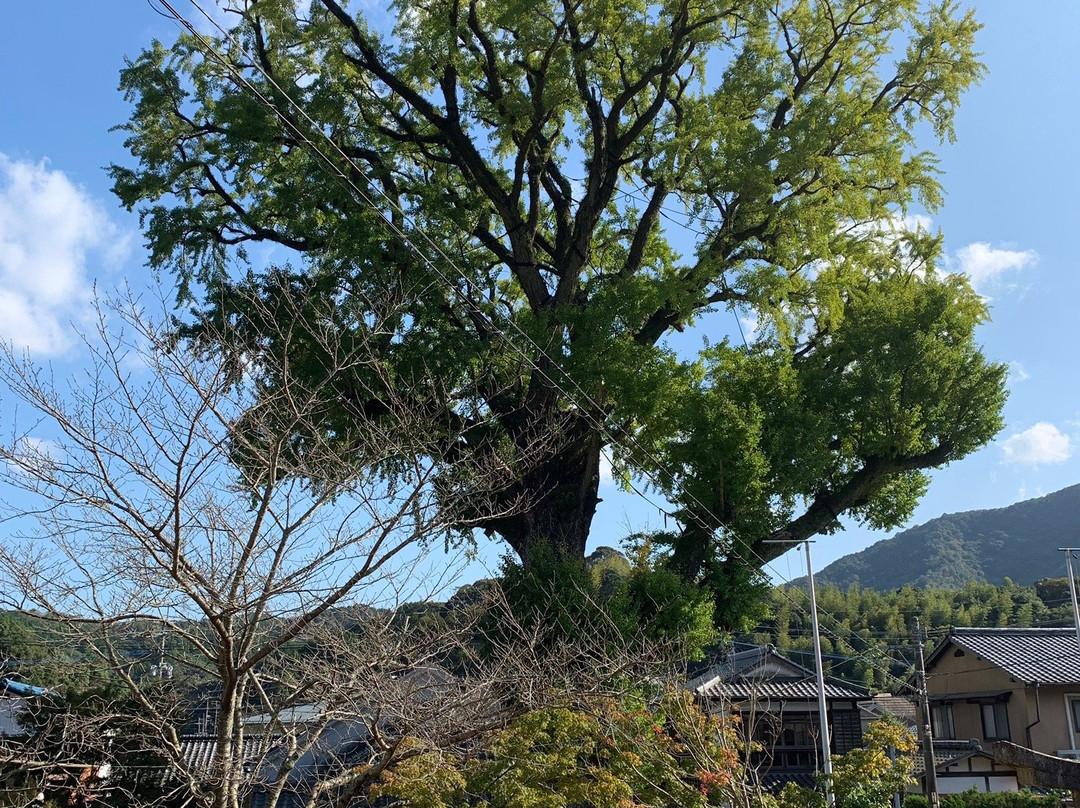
x=972 y=799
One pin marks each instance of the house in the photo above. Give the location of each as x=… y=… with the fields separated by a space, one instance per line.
x=330 y=749
x=36 y=758
x=1015 y=684
x=15 y=701
x=264 y=740
x=334 y=744
x=777 y=702
x=895 y=708
x=964 y=766
x=299 y=748
x=961 y=765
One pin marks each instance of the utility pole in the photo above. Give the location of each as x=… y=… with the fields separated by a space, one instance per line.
x=927 y=728
x=823 y=715
x=1072 y=589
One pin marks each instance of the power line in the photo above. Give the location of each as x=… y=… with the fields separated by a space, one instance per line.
x=340 y=176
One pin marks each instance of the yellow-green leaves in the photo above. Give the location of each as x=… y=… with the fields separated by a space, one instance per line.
x=569 y=185
x=866 y=777
x=605 y=753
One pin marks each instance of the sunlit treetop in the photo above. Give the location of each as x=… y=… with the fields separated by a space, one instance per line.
x=570 y=184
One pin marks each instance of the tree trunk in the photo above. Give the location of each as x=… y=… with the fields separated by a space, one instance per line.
x=226 y=792
x=556 y=500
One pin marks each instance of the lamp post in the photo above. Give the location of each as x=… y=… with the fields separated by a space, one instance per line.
x=826 y=746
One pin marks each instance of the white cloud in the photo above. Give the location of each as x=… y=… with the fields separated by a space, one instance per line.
x=1018 y=373
x=48 y=227
x=605 y=468
x=890 y=228
x=1042 y=444
x=911 y=223
x=748 y=325
x=34 y=456
x=30 y=446
x=893 y=232
x=985 y=265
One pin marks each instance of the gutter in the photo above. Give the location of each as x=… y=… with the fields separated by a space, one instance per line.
x=1038 y=716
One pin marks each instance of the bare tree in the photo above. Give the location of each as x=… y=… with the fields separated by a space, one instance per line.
x=439 y=689
x=199 y=534
x=179 y=529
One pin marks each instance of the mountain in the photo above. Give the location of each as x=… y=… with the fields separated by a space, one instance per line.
x=1019 y=542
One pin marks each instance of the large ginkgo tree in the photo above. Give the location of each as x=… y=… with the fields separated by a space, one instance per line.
x=553 y=215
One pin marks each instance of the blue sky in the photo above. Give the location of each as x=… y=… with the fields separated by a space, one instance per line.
x=1010 y=221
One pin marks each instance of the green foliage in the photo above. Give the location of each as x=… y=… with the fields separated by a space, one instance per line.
x=36 y=651
x=870 y=622
x=668 y=608
x=421 y=779
x=974 y=799
x=538 y=147
x=556 y=593
x=18 y=639
x=568 y=599
x=608 y=567
x=664 y=752
x=551 y=759
x=866 y=777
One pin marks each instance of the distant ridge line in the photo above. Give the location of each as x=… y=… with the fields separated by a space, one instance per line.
x=1018 y=542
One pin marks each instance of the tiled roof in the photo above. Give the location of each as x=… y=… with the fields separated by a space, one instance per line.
x=948 y=752
x=754 y=659
x=774 y=782
x=801 y=689
x=290 y=716
x=197 y=753
x=888 y=704
x=1049 y=656
x=762 y=673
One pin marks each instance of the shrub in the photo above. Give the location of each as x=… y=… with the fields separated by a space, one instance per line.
x=974 y=799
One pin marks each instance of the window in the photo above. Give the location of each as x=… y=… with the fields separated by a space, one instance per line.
x=788 y=732
x=995 y=721
x=1072 y=706
x=797 y=732
x=942 y=722
x=790 y=742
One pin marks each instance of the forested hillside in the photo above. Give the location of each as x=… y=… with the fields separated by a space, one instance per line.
x=868 y=636
x=1019 y=542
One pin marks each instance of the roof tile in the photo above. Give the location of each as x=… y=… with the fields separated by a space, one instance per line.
x=1044 y=655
